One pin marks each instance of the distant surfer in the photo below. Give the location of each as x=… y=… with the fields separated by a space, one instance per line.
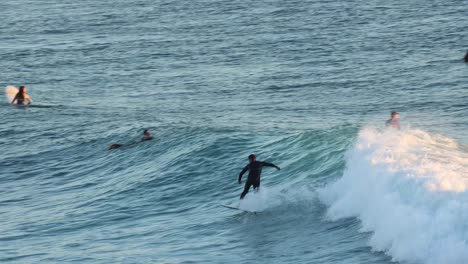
x=146 y=136
x=115 y=146
x=255 y=170
x=22 y=97
x=466 y=57
x=393 y=121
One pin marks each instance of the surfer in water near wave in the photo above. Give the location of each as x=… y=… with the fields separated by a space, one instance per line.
x=393 y=121
x=22 y=97
x=255 y=170
x=146 y=136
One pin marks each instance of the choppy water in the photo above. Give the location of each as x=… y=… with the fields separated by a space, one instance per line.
x=304 y=84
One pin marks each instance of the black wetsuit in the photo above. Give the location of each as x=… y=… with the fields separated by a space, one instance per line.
x=145 y=138
x=255 y=170
x=19 y=99
x=116 y=146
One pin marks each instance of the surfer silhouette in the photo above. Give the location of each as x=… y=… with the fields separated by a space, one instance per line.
x=393 y=121
x=255 y=170
x=22 y=97
x=146 y=136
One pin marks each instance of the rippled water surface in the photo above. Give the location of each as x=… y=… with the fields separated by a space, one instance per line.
x=304 y=84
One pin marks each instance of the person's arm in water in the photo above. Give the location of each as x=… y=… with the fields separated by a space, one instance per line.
x=28 y=98
x=246 y=168
x=268 y=164
x=397 y=125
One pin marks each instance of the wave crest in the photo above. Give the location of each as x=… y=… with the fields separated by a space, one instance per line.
x=409 y=189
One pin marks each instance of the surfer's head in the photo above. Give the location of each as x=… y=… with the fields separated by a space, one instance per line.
x=395 y=115
x=147 y=133
x=22 y=89
x=252 y=157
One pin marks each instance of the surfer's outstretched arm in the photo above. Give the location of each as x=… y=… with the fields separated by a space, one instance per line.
x=268 y=164
x=242 y=173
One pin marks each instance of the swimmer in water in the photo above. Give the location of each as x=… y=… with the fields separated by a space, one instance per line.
x=22 y=97
x=393 y=121
x=255 y=170
x=146 y=136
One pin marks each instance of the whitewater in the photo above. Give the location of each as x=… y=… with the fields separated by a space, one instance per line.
x=408 y=189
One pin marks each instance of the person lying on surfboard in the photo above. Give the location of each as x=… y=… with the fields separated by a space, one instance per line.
x=21 y=97
x=393 y=121
x=255 y=170
x=146 y=136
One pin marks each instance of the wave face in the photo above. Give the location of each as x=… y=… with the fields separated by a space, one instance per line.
x=160 y=200
x=292 y=81
x=409 y=189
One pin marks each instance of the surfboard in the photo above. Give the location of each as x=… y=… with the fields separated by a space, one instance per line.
x=10 y=93
x=237 y=208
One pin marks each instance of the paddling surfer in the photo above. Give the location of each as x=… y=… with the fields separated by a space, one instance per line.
x=255 y=170
x=146 y=136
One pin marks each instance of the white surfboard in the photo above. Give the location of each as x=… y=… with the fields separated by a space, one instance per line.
x=237 y=208
x=10 y=93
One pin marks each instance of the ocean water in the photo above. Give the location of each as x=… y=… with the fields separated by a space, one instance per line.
x=304 y=84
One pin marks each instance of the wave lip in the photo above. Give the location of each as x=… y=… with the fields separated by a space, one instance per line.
x=410 y=189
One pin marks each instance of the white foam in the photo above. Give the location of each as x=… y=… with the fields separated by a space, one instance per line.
x=254 y=201
x=265 y=198
x=259 y=201
x=410 y=189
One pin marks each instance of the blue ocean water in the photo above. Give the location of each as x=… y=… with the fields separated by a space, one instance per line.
x=305 y=84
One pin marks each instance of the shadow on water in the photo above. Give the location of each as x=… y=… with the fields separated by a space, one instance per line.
x=33 y=106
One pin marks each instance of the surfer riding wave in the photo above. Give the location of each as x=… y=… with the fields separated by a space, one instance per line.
x=255 y=170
